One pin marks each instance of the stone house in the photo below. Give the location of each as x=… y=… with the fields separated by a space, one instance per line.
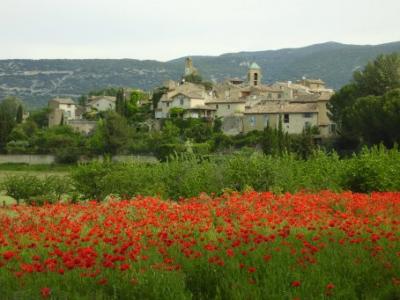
x=61 y=109
x=101 y=103
x=294 y=117
x=65 y=110
x=225 y=108
x=192 y=98
x=325 y=125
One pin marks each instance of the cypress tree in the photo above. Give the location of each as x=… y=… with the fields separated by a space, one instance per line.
x=20 y=114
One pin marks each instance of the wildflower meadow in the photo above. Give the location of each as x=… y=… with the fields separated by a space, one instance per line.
x=251 y=245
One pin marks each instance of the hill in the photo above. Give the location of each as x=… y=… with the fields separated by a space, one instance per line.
x=36 y=81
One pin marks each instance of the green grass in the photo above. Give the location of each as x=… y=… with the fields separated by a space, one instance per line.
x=6 y=200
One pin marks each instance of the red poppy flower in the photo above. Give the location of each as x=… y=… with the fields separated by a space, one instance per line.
x=296 y=283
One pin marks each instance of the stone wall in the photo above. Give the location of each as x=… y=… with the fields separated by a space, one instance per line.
x=27 y=159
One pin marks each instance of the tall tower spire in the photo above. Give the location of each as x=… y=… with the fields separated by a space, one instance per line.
x=189 y=68
x=254 y=74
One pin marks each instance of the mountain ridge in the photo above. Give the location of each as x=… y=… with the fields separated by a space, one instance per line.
x=37 y=81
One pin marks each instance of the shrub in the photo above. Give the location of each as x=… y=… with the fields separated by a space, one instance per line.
x=375 y=169
x=188 y=174
x=23 y=187
x=69 y=155
x=87 y=178
x=32 y=189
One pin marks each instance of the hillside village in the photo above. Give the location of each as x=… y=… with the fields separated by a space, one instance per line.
x=242 y=105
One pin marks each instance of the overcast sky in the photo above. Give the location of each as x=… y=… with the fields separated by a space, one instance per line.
x=165 y=30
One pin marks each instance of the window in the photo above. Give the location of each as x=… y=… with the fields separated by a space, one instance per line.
x=252 y=121
x=217 y=106
x=269 y=95
x=181 y=101
x=307 y=115
x=229 y=106
x=167 y=104
x=307 y=125
x=279 y=96
x=255 y=76
x=286 y=118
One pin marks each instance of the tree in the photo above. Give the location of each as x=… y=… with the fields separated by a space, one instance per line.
x=157 y=94
x=357 y=107
x=20 y=138
x=83 y=100
x=193 y=78
x=8 y=112
x=113 y=135
x=376 y=119
x=135 y=110
x=20 y=114
x=40 y=117
x=120 y=103
x=379 y=76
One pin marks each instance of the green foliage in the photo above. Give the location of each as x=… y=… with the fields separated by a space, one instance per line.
x=303 y=144
x=18 y=147
x=376 y=118
x=198 y=130
x=249 y=170
x=110 y=91
x=88 y=178
x=375 y=169
x=187 y=175
x=34 y=190
x=379 y=76
x=22 y=187
x=113 y=135
x=197 y=79
x=40 y=117
x=68 y=155
x=366 y=110
x=59 y=140
x=120 y=104
x=157 y=94
x=193 y=78
x=8 y=112
x=20 y=114
x=20 y=138
x=176 y=112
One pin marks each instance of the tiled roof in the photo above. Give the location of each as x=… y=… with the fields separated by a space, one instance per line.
x=63 y=100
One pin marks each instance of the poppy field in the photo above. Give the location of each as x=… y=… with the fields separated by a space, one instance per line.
x=252 y=245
